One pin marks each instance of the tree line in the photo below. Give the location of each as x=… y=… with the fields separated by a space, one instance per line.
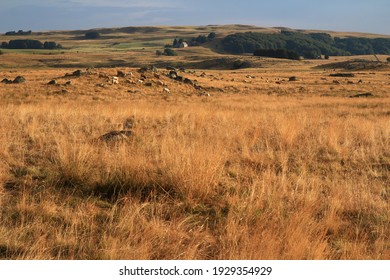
x=30 y=44
x=311 y=45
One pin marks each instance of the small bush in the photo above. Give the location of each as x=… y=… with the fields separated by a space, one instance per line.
x=388 y=59
x=169 y=52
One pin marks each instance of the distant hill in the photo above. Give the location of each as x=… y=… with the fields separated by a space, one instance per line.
x=309 y=45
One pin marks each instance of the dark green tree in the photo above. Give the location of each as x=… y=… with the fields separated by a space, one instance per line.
x=92 y=35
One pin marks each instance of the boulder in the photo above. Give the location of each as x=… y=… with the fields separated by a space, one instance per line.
x=6 y=81
x=367 y=94
x=116 y=136
x=19 y=80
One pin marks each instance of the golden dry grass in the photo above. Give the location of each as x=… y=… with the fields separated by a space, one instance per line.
x=261 y=169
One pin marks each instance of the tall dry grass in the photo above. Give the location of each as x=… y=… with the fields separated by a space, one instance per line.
x=248 y=177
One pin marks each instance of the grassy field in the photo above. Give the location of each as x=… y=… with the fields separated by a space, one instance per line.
x=255 y=167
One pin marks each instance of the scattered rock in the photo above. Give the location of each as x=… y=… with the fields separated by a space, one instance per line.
x=52 y=82
x=166 y=90
x=148 y=84
x=76 y=73
x=68 y=83
x=367 y=94
x=293 y=79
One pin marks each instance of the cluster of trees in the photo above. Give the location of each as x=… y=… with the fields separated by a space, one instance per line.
x=311 y=45
x=92 y=35
x=195 y=41
x=30 y=44
x=167 y=52
x=20 y=32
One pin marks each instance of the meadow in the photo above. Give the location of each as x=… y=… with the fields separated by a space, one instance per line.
x=260 y=167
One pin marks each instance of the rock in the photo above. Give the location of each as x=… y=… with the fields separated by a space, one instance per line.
x=172 y=74
x=77 y=73
x=293 y=79
x=52 y=82
x=68 y=83
x=343 y=75
x=188 y=81
x=179 y=78
x=115 y=80
x=121 y=74
x=197 y=87
x=148 y=84
x=143 y=69
x=202 y=93
x=6 y=81
x=116 y=136
x=367 y=94
x=19 y=80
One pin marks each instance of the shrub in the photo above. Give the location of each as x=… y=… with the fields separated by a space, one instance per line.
x=158 y=52
x=169 y=52
x=25 y=44
x=388 y=59
x=50 y=45
x=211 y=36
x=240 y=64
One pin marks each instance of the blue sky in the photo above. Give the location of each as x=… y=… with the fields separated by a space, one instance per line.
x=341 y=15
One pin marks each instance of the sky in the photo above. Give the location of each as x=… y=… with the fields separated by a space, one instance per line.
x=372 y=16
